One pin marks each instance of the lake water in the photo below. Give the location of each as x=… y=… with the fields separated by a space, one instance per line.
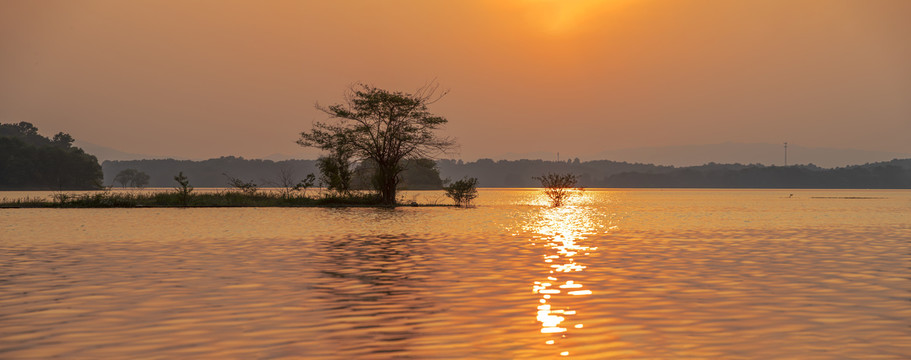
x=642 y=274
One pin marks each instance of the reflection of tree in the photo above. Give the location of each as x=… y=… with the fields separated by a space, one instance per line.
x=378 y=286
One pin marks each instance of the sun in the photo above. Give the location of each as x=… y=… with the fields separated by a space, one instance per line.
x=557 y=17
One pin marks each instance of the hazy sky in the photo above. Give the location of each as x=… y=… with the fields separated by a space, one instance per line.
x=204 y=79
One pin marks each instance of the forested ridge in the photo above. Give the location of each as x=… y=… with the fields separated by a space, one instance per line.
x=895 y=174
x=30 y=161
x=418 y=174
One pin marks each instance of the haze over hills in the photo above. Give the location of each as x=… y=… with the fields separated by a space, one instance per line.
x=895 y=174
x=756 y=153
x=684 y=155
x=725 y=153
x=104 y=153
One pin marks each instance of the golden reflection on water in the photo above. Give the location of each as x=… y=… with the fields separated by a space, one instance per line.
x=561 y=232
x=690 y=274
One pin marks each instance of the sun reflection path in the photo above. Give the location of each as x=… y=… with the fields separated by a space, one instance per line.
x=562 y=232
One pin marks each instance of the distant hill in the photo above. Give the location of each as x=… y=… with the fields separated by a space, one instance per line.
x=265 y=173
x=729 y=153
x=684 y=155
x=870 y=176
x=895 y=174
x=902 y=163
x=104 y=153
x=519 y=173
x=209 y=173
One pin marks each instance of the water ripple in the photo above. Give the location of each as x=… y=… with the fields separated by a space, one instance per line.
x=589 y=281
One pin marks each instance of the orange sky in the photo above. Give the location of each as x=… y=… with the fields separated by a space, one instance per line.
x=204 y=79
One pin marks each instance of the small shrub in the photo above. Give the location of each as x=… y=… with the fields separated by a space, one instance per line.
x=285 y=182
x=183 y=189
x=61 y=198
x=246 y=187
x=559 y=187
x=462 y=191
x=304 y=184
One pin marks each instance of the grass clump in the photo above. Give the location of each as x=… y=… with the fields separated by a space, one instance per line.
x=243 y=194
x=178 y=198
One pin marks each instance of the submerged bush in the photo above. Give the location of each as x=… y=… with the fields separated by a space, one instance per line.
x=559 y=187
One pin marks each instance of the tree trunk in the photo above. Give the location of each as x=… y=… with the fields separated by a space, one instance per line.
x=389 y=178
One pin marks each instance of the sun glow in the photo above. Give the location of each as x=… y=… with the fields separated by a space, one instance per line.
x=556 y=17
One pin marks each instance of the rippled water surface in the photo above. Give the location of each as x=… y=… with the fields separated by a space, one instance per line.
x=650 y=274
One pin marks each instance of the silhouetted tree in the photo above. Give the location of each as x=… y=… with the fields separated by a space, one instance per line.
x=304 y=184
x=141 y=180
x=184 y=189
x=27 y=129
x=63 y=140
x=32 y=161
x=246 y=187
x=287 y=182
x=132 y=177
x=559 y=187
x=336 y=172
x=383 y=127
x=462 y=191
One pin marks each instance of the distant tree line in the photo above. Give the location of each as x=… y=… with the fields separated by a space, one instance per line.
x=521 y=173
x=878 y=176
x=208 y=173
x=30 y=161
x=418 y=174
x=895 y=174
x=423 y=175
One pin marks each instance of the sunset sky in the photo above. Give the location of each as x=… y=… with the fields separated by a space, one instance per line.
x=200 y=79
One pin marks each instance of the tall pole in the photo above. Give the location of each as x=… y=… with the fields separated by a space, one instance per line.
x=785 y=154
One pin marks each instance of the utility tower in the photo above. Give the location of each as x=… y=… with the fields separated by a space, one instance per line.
x=785 y=154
